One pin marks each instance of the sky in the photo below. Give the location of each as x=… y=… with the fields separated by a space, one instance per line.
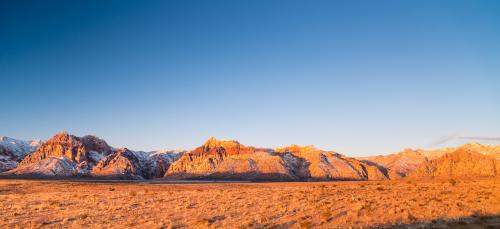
x=357 y=77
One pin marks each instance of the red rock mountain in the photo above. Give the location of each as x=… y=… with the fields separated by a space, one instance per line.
x=87 y=149
x=228 y=159
x=66 y=154
x=405 y=162
x=122 y=164
x=309 y=163
x=463 y=162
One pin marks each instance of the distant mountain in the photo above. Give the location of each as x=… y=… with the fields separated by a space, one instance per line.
x=66 y=155
x=309 y=163
x=228 y=159
x=400 y=164
x=127 y=164
x=89 y=156
x=467 y=161
x=406 y=161
x=12 y=151
x=71 y=155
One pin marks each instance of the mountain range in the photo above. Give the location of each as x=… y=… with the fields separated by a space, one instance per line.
x=66 y=155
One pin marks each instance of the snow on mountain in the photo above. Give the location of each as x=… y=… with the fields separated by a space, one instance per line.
x=157 y=162
x=17 y=147
x=12 y=151
x=51 y=166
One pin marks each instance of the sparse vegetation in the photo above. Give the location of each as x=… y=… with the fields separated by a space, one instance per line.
x=326 y=214
x=245 y=205
x=305 y=224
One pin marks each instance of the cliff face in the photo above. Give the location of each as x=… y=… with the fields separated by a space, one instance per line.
x=408 y=160
x=122 y=164
x=228 y=160
x=64 y=151
x=48 y=167
x=68 y=155
x=464 y=162
x=400 y=164
x=309 y=163
x=87 y=149
x=231 y=160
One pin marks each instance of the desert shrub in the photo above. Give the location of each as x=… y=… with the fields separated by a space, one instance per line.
x=380 y=188
x=111 y=189
x=203 y=222
x=452 y=181
x=326 y=214
x=305 y=224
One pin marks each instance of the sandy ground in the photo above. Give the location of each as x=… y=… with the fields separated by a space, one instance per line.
x=62 y=204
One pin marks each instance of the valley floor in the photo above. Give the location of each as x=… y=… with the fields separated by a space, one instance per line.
x=436 y=203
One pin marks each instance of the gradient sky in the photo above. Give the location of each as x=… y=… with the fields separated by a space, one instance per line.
x=358 y=77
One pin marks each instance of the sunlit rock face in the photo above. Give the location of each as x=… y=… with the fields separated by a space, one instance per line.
x=89 y=156
x=122 y=164
x=466 y=161
x=228 y=159
x=403 y=163
x=82 y=152
x=309 y=163
x=48 y=167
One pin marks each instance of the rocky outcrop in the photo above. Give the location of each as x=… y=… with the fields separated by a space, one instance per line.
x=122 y=164
x=228 y=159
x=12 y=151
x=158 y=162
x=83 y=153
x=309 y=163
x=48 y=167
x=87 y=149
x=68 y=155
x=463 y=162
x=401 y=164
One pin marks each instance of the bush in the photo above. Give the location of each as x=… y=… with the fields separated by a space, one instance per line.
x=305 y=224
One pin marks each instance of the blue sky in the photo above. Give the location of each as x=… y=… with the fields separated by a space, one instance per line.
x=358 y=77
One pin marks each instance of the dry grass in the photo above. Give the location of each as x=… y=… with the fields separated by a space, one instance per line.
x=34 y=204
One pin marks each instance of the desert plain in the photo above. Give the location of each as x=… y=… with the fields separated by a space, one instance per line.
x=446 y=203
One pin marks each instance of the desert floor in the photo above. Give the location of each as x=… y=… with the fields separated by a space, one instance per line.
x=432 y=203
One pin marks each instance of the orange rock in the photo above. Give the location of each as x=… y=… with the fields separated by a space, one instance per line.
x=466 y=161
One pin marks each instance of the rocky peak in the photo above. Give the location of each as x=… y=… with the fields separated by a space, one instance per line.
x=220 y=148
x=73 y=148
x=296 y=149
x=463 y=162
x=123 y=163
x=212 y=143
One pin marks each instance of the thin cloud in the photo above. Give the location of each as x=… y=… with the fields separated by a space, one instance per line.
x=456 y=137
x=481 y=138
x=443 y=140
